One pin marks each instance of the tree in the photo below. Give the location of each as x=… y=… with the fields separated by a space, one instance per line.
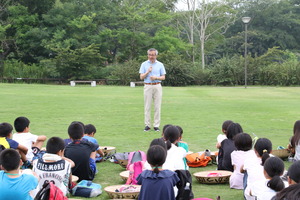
x=206 y=19
x=273 y=24
x=80 y=63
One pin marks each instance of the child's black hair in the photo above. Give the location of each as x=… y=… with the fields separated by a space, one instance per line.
x=233 y=130
x=171 y=134
x=274 y=167
x=243 y=141
x=226 y=124
x=21 y=123
x=291 y=192
x=5 y=129
x=89 y=129
x=180 y=130
x=10 y=159
x=156 y=157
x=54 y=145
x=165 y=127
x=76 y=130
x=263 y=147
x=159 y=141
x=296 y=136
x=294 y=171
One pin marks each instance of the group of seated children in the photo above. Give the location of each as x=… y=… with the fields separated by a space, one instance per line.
x=56 y=165
x=164 y=156
x=256 y=171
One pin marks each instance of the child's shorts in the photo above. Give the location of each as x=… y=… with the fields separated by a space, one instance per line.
x=93 y=165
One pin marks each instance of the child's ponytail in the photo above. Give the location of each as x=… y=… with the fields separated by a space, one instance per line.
x=169 y=144
x=156 y=157
x=274 y=168
x=264 y=157
x=263 y=147
x=276 y=183
x=156 y=169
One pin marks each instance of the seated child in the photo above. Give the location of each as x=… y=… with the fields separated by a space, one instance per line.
x=89 y=134
x=175 y=155
x=13 y=183
x=253 y=165
x=157 y=183
x=7 y=142
x=294 y=145
x=243 y=143
x=293 y=190
x=183 y=144
x=53 y=166
x=222 y=137
x=164 y=129
x=157 y=141
x=266 y=189
x=33 y=142
x=227 y=147
x=69 y=140
x=81 y=152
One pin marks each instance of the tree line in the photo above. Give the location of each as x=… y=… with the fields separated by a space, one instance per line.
x=200 y=42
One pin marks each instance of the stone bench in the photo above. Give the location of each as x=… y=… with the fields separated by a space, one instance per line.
x=132 y=84
x=73 y=83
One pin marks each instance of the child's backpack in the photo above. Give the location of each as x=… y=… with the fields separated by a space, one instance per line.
x=49 y=191
x=184 y=185
x=87 y=188
x=136 y=161
x=197 y=159
x=121 y=158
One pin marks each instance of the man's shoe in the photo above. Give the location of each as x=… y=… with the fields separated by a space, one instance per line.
x=147 y=128
x=156 y=129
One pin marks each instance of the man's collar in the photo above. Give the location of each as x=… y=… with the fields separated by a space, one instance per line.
x=151 y=62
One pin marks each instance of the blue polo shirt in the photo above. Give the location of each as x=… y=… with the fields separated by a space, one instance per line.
x=158 y=69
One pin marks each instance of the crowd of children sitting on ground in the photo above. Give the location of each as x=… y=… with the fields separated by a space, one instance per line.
x=256 y=171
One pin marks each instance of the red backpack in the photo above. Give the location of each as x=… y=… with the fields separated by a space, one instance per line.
x=50 y=191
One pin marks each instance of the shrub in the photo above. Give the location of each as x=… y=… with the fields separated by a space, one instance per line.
x=178 y=71
x=17 y=69
x=126 y=72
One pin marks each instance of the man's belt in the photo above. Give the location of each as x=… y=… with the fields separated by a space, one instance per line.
x=156 y=83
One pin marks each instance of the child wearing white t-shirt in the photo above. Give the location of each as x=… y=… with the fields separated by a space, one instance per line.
x=254 y=164
x=266 y=189
x=175 y=155
x=222 y=137
x=24 y=137
x=243 y=143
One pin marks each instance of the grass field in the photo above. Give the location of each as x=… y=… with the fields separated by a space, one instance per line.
x=117 y=113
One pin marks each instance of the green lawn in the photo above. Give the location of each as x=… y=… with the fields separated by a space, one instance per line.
x=117 y=113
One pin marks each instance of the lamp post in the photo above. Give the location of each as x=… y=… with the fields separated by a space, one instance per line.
x=246 y=20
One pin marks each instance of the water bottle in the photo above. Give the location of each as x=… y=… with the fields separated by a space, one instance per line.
x=207 y=153
x=187 y=191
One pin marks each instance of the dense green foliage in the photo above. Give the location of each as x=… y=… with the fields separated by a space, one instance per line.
x=106 y=39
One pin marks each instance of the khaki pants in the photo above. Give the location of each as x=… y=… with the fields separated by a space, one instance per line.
x=152 y=92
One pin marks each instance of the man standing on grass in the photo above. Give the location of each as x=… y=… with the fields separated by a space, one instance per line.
x=152 y=72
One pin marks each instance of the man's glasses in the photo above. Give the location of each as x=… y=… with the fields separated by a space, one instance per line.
x=151 y=55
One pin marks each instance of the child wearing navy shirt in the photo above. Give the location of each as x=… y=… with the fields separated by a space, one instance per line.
x=157 y=183
x=81 y=152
